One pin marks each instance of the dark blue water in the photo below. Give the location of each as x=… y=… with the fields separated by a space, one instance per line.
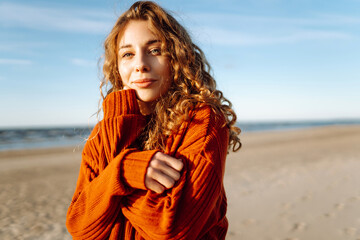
x=287 y=125
x=29 y=138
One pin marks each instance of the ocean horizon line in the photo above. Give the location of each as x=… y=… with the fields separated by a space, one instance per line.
x=239 y=122
x=60 y=136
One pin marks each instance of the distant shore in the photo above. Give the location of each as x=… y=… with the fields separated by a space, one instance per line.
x=294 y=184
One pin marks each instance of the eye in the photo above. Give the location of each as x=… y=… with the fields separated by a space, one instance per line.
x=155 y=51
x=127 y=55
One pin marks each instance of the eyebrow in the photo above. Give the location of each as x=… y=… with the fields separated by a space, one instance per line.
x=147 y=43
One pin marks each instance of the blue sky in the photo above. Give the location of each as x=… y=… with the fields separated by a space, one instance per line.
x=274 y=59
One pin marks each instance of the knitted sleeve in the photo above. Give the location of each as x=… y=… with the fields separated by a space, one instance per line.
x=188 y=210
x=101 y=183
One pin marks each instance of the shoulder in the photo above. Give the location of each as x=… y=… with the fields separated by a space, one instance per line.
x=206 y=140
x=205 y=123
x=205 y=120
x=207 y=115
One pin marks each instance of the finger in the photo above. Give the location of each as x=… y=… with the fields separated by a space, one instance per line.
x=169 y=171
x=154 y=185
x=175 y=163
x=164 y=168
x=160 y=177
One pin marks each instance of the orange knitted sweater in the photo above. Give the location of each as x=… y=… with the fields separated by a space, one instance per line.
x=111 y=200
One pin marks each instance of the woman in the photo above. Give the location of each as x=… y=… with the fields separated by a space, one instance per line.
x=153 y=167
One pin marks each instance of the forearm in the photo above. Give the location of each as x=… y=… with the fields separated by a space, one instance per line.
x=102 y=181
x=95 y=204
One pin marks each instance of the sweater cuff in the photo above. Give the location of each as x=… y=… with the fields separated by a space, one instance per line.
x=134 y=166
x=120 y=103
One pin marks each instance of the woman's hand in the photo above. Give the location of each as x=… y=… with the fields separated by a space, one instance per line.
x=162 y=173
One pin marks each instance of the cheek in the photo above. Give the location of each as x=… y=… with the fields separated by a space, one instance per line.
x=167 y=77
x=166 y=70
x=124 y=73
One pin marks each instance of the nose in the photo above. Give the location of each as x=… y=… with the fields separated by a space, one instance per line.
x=141 y=64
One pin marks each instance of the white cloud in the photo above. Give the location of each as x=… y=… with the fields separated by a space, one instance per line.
x=83 y=62
x=55 y=19
x=238 y=30
x=319 y=19
x=337 y=19
x=7 y=61
x=236 y=38
x=23 y=47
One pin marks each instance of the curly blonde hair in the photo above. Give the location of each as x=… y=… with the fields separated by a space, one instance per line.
x=192 y=83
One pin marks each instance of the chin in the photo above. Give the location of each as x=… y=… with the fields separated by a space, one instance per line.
x=146 y=97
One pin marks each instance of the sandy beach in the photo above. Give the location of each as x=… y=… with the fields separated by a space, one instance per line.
x=282 y=185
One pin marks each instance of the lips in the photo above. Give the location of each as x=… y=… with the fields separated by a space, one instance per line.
x=144 y=83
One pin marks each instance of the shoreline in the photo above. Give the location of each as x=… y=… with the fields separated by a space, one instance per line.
x=48 y=137
x=293 y=184
x=13 y=153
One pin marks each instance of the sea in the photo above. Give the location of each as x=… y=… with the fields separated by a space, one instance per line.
x=49 y=137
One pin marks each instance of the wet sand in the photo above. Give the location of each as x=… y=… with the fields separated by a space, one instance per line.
x=283 y=185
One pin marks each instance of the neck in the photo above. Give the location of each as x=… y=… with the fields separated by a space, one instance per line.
x=146 y=108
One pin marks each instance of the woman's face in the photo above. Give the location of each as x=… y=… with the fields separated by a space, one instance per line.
x=141 y=64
